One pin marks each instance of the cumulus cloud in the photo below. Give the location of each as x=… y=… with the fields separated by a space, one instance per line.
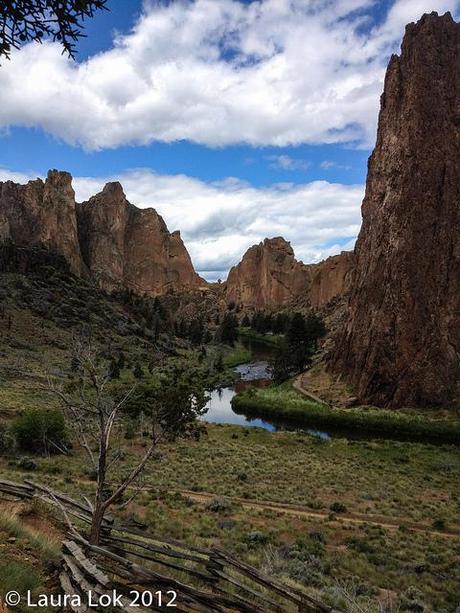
x=219 y=221
x=217 y=72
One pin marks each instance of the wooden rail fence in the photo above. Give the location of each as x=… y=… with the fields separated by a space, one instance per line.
x=129 y=559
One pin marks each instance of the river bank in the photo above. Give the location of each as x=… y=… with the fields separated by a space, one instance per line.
x=283 y=404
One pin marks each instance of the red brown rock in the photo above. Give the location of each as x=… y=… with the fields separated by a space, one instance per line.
x=270 y=278
x=331 y=278
x=124 y=246
x=42 y=213
x=401 y=344
x=267 y=277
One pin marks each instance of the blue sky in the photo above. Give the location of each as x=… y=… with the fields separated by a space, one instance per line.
x=235 y=120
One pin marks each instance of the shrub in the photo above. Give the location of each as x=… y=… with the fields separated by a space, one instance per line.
x=439 y=524
x=219 y=505
x=6 y=439
x=255 y=538
x=338 y=507
x=41 y=430
x=27 y=464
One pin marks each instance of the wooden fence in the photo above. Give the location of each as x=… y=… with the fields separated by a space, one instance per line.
x=130 y=560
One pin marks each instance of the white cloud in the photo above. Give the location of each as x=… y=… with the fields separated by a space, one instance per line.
x=219 y=221
x=286 y=162
x=328 y=164
x=217 y=72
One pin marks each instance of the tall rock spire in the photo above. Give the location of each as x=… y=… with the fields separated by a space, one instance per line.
x=401 y=345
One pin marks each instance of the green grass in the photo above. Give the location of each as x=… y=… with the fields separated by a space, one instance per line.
x=408 y=482
x=45 y=547
x=18 y=576
x=238 y=355
x=286 y=405
x=272 y=340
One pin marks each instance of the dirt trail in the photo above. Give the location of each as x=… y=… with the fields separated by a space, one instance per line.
x=301 y=511
x=298 y=386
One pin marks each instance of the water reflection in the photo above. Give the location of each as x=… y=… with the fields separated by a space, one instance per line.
x=252 y=374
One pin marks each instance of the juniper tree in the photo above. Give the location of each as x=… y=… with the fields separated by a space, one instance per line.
x=23 y=21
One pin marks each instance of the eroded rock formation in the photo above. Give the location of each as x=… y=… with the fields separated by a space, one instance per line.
x=106 y=238
x=130 y=247
x=401 y=344
x=42 y=213
x=269 y=277
x=331 y=278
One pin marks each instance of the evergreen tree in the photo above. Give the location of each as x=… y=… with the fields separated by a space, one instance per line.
x=138 y=372
x=245 y=322
x=220 y=363
x=314 y=328
x=196 y=331
x=228 y=329
x=281 y=364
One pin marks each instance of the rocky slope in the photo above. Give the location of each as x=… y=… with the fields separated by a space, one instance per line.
x=269 y=277
x=123 y=245
x=106 y=238
x=401 y=344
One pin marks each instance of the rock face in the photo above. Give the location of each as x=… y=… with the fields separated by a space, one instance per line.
x=268 y=276
x=331 y=278
x=106 y=238
x=125 y=246
x=401 y=345
x=42 y=213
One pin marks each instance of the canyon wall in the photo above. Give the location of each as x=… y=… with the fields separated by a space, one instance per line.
x=106 y=238
x=123 y=245
x=270 y=278
x=42 y=213
x=401 y=343
x=331 y=278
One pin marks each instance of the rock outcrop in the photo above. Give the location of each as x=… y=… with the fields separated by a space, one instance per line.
x=107 y=238
x=124 y=246
x=401 y=344
x=267 y=277
x=42 y=213
x=270 y=278
x=331 y=278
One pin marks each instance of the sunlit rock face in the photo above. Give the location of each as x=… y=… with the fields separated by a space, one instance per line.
x=401 y=343
x=125 y=246
x=268 y=277
x=106 y=238
x=331 y=278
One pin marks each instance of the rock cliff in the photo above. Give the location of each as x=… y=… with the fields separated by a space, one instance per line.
x=401 y=343
x=116 y=243
x=123 y=245
x=269 y=277
x=42 y=213
x=331 y=278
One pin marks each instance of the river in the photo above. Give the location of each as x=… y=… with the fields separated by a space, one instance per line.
x=253 y=374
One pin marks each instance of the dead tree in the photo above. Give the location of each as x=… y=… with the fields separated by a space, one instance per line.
x=94 y=411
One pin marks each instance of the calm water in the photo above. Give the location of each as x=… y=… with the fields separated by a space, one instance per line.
x=253 y=374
